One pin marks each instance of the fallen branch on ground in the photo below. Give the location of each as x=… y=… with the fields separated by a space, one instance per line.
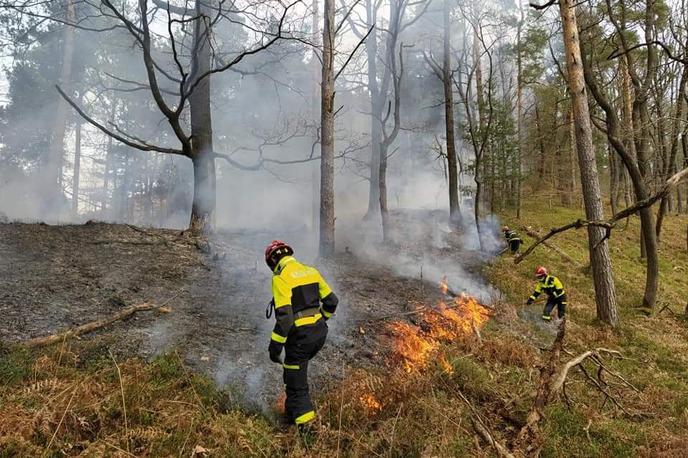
x=94 y=325
x=540 y=239
x=482 y=429
x=609 y=224
x=529 y=438
x=553 y=382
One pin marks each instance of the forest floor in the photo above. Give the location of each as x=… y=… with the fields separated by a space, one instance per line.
x=195 y=381
x=57 y=277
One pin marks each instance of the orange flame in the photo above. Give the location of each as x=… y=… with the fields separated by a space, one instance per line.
x=415 y=345
x=411 y=346
x=444 y=364
x=370 y=402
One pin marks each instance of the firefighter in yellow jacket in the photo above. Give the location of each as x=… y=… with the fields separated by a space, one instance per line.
x=556 y=296
x=302 y=302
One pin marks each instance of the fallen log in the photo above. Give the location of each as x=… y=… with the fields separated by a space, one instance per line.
x=94 y=325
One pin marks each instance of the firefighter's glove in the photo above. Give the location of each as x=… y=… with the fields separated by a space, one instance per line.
x=529 y=301
x=275 y=350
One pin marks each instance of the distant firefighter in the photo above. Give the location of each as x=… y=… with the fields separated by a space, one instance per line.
x=300 y=329
x=556 y=296
x=512 y=239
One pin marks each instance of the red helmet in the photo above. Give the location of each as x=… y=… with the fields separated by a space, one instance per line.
x=276 y=251
x=505 y=228
x=540 y=272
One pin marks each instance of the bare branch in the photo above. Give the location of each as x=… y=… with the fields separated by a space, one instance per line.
x=121 y=138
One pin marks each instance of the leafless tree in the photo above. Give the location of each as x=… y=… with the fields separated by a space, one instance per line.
x=181 y=88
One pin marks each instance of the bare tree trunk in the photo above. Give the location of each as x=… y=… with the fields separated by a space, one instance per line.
x=670 y=165
x=315 y=112
x=519 y=107
x=77 y=169
x=327 y=215
x=605 y=292
x=376 y=109
x=486 y=155
x=541 y=144
x=454 y=208
x=634 y=159
x=204 y=197
x=613 y=180
x=53 y=165
x=382 y=180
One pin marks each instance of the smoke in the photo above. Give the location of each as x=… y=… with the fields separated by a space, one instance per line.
x=264 y=115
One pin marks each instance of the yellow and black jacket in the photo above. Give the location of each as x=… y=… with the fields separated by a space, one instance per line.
x=550 y=285
x=297 y=291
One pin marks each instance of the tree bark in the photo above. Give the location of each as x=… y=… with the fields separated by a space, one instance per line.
x=77 y=169
x=376 y=108
x=670 y=165
x=519 y=107
x=605 y=292
x=327 y=216
x=53 y=166
x=541 y=144
x=382 y=180
x=315 y=112
x=204 y=196
x=486 y=157
x=454 y=206
x=632 y=154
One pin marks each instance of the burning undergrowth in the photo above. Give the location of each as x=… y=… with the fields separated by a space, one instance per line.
x=416 y=347
x=417 y=344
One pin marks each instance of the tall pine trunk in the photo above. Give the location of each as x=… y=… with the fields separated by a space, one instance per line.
x=327 y=218
x=605 y=292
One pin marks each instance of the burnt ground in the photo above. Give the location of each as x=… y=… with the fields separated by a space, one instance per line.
x=56 y=277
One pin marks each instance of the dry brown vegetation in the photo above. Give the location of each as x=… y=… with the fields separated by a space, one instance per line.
x=78 y=399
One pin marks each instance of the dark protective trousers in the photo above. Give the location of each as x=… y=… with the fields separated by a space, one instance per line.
x=514 y=245
x=299 y=350
x=560 y=303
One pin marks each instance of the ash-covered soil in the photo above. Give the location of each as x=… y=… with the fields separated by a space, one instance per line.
x=56 y=277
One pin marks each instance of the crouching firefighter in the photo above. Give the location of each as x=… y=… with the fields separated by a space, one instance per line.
x=556 y=296
x=300 y=329
x=512 y=239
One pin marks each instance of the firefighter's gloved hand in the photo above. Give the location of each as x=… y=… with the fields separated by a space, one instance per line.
x=275 y=350
x=529 y=301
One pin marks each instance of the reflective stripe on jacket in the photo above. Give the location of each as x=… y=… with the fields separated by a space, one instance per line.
x=298 y=290
x=551 y=285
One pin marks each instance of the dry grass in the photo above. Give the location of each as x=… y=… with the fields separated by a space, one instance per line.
x=655 y=345
x=70 y=400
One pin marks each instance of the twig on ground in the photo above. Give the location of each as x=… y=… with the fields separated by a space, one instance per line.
x=69 y=404
x=124 y=402
x=482 y=429
x=93 y=325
